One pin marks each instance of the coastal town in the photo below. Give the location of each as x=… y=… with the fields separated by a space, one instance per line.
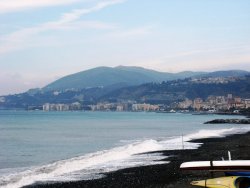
x=211 y=104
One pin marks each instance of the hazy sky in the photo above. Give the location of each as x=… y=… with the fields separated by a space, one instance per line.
x=42 y=40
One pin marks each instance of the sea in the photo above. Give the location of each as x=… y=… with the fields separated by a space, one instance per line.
x=38 y=147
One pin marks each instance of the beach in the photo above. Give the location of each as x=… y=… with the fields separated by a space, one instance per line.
x=169 y=175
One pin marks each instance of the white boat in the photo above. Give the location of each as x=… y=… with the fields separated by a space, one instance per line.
x=231 y=165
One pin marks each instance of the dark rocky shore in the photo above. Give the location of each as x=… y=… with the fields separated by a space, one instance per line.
x=230 y=121
x=169 y=175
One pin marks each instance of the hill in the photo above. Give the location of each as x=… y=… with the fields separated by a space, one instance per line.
x=177 y=90
x=155 y=93
x=229 y=73
x=121 y=75
x=132 y=83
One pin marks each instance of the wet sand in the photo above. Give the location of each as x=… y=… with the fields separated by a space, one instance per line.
x=168 y=175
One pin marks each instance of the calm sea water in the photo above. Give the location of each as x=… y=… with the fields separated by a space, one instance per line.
x=62 y=146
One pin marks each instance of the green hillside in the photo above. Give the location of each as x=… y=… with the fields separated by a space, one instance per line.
x=107 y=76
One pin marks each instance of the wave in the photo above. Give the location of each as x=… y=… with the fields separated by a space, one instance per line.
x=92 y=166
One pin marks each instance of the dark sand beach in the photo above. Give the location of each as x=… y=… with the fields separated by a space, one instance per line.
x=169 y=175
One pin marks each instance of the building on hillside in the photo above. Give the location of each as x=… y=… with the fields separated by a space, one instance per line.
x=220 y=100
x=185 y=104
x=145 y=107
x=197 y=104
x=46 y=107
x=119 y=108
x=75 y=106
x=56 y=107
x=229 y=96
x=247 y=103
x=211 y=100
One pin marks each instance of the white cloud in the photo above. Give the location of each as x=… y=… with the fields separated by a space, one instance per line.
x=87 y=25
x=17 y=39
x=20 y=5
x=77 y=13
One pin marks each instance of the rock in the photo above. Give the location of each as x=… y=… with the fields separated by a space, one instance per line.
x=229 y=121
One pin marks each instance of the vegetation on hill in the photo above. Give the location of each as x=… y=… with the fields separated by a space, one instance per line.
x=154 y=93
x=174 y=91
x=107 y=76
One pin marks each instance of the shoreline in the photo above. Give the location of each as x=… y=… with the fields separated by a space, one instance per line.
x=168 y=175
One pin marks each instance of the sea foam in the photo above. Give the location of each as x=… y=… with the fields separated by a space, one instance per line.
x=93 y=165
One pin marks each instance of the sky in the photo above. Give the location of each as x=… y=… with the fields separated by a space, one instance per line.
x=43 y=40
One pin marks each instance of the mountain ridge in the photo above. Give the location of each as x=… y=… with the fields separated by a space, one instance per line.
x=126 y=75
x=165 y=93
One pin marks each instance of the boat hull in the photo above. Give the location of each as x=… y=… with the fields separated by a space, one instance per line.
x=236 y=165
x=224 y=182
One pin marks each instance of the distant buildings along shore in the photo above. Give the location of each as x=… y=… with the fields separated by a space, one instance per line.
x=211 y=104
